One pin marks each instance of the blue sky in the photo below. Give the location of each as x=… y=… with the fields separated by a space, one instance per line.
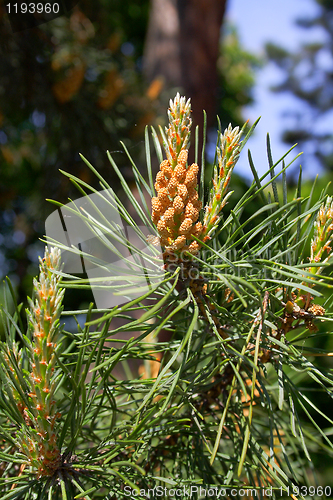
x=258 y=22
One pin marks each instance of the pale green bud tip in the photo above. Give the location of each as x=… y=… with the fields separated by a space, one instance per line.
x=180 y=107
x=52 y=258
x=322 y=237
x=228 y=149
x=178 y=132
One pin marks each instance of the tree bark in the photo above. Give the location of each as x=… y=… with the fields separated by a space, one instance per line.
x=182 y=47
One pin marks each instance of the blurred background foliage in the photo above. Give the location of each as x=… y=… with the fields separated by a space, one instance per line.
x=308 y=75
x=71 y=85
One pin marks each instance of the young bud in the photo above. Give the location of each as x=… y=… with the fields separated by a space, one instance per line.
x=31 y=391
x=173 y=211
x=227 y=151
x=321 y=250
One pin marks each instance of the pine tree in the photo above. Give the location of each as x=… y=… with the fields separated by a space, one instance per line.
x=222 y=403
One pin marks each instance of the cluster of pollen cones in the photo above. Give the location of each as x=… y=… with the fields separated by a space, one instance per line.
x=176 y=208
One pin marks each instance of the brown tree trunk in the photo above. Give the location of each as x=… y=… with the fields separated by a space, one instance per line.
x=182 y=47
